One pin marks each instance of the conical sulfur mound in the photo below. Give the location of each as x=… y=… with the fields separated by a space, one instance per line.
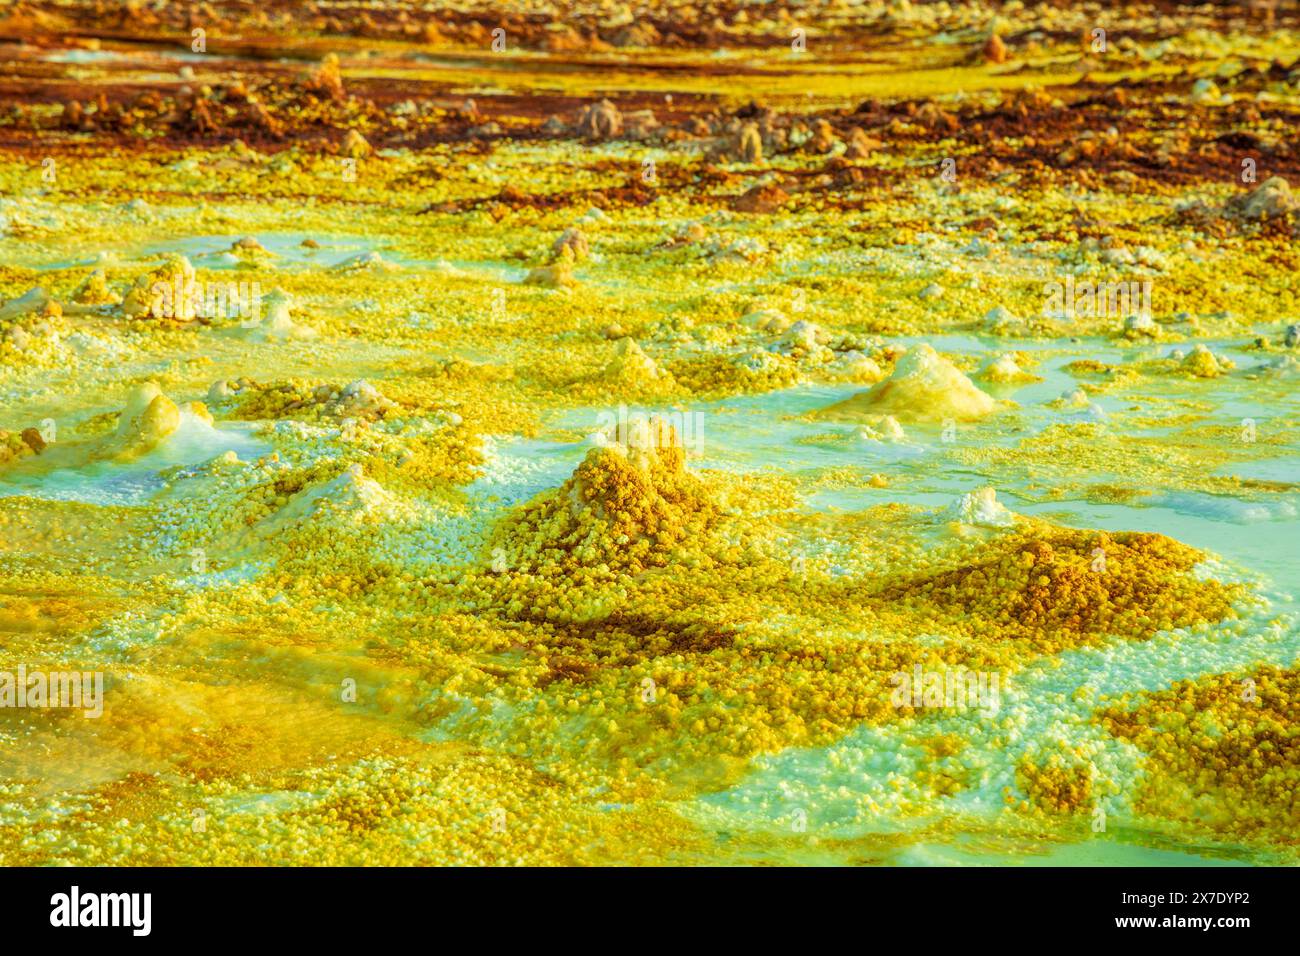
x=628 y=506
x=924 y=387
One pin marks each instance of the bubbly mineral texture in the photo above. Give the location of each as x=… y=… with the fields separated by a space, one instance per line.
x=1221 y=750
x=602 y=434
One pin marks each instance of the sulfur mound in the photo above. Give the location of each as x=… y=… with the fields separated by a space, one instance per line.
x=557 y=275
x=890 y=429
x=165 y=294
x=763 y=198
x=355 y=146
x=328 y=523
x=1272 y=199
x=749 y=147
x=94 y=290
x=15 y=447
x=326 y=80
x=1200 y=362
x=856 y=367
x=980 y=508
x=32 y=302
x=1062 y=587
x=600 y=121
x=924 y=387
x=325 y=403
x=360 y=399
x=366 y=262
x=1004 y=371
x=575 y=242
x=351 y=496
x=278 y=325
x=995 y=51
x=627 y=506
x=148 y=419
x=631 y=366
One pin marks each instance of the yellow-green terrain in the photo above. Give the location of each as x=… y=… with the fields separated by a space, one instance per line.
x=718 y=434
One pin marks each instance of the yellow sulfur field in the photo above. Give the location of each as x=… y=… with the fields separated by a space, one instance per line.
x=724 y=434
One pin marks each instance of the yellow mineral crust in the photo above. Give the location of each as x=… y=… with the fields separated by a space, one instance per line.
x=1222 y=751
x=439 y=806
x=1057 y=785
x=296 y=399
x=706 y=635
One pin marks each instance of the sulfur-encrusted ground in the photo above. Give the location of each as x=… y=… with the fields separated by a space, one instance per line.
x=573 y=451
